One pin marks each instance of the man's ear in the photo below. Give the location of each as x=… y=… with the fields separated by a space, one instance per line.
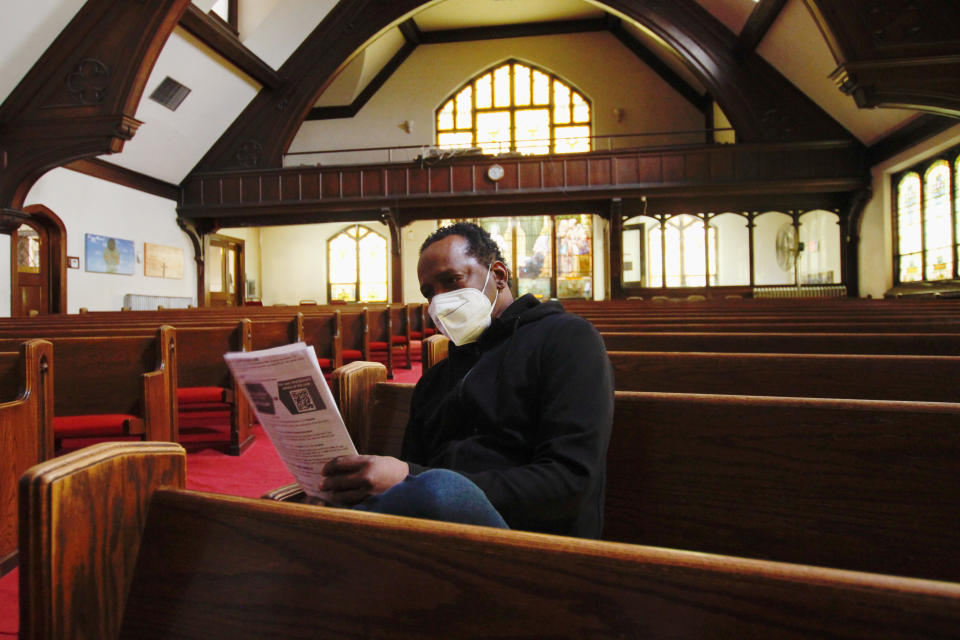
x=501 y=274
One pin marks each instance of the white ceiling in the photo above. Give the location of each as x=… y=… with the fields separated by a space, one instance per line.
x=169 y=144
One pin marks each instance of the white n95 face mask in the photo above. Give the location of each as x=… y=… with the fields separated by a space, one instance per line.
x=463 y=314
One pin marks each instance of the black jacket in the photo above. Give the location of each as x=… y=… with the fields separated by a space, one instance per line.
x=525 y=412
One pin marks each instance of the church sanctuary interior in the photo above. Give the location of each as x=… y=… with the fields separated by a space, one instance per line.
x=755 y=202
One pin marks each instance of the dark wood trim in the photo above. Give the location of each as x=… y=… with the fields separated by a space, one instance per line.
x=218 y=36
x=678 y=84
x=411 y=32
x=56 y=285
x=330 y=113
x=909 y=135
x=523 y=30
x=758 y=24
x=116 y=174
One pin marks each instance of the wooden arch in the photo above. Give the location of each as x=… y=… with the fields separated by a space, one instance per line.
x=760 y=103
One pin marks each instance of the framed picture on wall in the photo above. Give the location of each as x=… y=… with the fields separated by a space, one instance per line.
x=160 y=261
x=109 y=255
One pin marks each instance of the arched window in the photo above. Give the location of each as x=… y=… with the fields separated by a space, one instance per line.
x=515 y=108
x=357 y=265
x=927 y=220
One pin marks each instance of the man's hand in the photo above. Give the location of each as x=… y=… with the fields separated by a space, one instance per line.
x=352 y=479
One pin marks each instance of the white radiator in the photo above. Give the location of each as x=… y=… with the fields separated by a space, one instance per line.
x=141 y=302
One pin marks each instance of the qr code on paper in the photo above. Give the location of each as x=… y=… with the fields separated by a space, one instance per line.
x=302 y=400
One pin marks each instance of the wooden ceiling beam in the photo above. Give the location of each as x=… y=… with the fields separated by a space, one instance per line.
x=758 y=24
x=217 y=35
x=523 y=30
x=129 y=178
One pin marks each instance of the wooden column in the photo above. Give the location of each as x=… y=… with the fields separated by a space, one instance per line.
x=615 y=255
x=388 y=217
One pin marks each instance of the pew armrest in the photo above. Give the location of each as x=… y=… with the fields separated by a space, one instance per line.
x=77 y=547
x=434 y=349
x=352 y=385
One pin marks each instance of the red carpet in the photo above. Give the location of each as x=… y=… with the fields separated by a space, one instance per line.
x=254 y=473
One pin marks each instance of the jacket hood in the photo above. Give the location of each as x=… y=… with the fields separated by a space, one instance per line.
x=524 y=310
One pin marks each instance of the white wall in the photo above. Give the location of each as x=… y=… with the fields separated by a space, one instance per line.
x=251 y=247
x=293 y=261
x=89 y=205
x=767 y=270
x=597 y=64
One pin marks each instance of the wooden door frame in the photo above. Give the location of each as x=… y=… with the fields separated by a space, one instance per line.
x=56 y=284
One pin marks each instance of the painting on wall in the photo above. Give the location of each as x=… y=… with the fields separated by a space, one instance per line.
x=109 y=255
x=160 y=261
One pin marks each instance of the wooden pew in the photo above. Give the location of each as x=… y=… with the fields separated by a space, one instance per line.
x=866 y=485
x=126 y=375
x=924 y=378
x=26 y=430
x=255 y=568
x=931 y=344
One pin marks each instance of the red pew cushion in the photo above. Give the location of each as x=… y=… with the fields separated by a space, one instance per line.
x=415 y=335
x=349 y=355
x=399 y=339
x=201 y=394
x=107 y=424
x=378 y=346
x=325 y=363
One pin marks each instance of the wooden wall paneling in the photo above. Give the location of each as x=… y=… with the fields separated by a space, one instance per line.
x=351 y=184
x=270 y=187
x=649 y=169
x=374 y=183
x=674 y=168
x=80 y=97
x=440 y=178
x=329 y=184
x=696 y=167
x=419 y=181
x=230 y=190
x=479 y=182
x=576 y=173
x=530 y=175
x=250 y=189
x=397 y=182
x=599 y=171
x=463 y=177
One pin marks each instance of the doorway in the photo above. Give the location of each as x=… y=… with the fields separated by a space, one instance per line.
x=224 y=272
x=38 y=264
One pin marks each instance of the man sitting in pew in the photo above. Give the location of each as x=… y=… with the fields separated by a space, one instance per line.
x=521 y=408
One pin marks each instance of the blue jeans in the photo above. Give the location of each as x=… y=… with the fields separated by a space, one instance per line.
x=437 y=494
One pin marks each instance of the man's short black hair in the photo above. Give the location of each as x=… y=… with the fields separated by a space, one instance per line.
x=480 y=245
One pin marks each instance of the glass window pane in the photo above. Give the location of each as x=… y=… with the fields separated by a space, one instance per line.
x=581 y=110
x=937 y=222
x=493 y=131
x=373 y=263
x=501 y=87
x=214 y=269
x=343 y=259
x=561 y=103
x=574 y=256
x=692 y=244
x=28 y=249
x=521 y=85
x=484 y=86
x=910 y=268
x=532 y=131
x=462 y=140
x=465 y=108
x=541 y=88
x=231 y=271
x=819 y=261
x=373 y=291
x=655 y=255
x=732 y=249
x=534 y=256
x=345 y=292
x=572 y=139
x=501 y=232
x=445 y=117
x=908 y=214
x=773 y=262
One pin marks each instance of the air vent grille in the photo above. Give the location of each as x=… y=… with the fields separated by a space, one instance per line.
x=170 y=93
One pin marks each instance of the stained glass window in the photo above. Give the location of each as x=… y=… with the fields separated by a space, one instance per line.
x=357 y=265
x=515 y=108
x=532 y=245
x=937 y=232
x=927 y=222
